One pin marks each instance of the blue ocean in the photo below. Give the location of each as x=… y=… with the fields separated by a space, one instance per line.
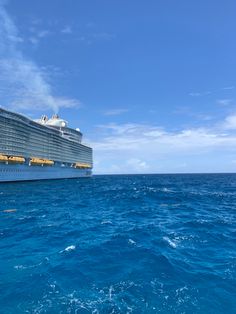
x=119 y=244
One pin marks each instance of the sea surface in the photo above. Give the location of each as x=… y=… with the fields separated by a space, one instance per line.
x=119 y=244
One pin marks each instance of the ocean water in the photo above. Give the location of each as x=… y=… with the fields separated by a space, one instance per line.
x=119 y=244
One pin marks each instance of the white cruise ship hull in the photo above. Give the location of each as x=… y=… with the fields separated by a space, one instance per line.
x=24 y=172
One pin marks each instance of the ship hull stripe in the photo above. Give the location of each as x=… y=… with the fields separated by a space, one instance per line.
x=10 y=173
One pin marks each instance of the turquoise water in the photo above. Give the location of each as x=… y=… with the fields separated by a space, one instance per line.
x=119 y=244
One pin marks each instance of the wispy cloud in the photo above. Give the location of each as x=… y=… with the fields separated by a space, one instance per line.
x=34 y=40
x=139 y=148
x=137 y=165
x=115 y=112
x=23 y=84
x=44 y=33
x=96 y=37
x=102 y=36
x=228 y=87
x=205 y=93
x=188 y=111
x=224 y=102
x=195 y=94
x=37 y=33
x=67 y=30
x=133 y=136
x=230 y=122
x=199 y=94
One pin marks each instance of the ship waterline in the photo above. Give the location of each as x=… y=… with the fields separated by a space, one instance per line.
x=41 y=149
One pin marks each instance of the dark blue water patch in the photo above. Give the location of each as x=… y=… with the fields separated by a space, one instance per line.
x=119 y=244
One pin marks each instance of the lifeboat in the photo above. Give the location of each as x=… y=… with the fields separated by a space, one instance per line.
x=3 y=158
x=15 y=160
x=41 y=162
x=12 y=159
x=81 y=165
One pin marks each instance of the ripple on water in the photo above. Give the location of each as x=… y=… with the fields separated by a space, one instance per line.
x=119 y=244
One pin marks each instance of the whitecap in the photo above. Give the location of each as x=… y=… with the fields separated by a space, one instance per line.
x=110 y=292
x=31 y=266
x=167 y=190
x=11 y=210
x=106 y=222
x=131 y=241
x=170 y=242
x=20 y=267
x=70 y=248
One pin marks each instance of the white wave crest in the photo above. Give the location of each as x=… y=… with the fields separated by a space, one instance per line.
x=70 y=248
x=170 y=242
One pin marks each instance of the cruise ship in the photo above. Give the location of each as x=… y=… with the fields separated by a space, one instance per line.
x=41 y=149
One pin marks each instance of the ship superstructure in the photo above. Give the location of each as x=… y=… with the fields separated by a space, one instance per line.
x=41 y=149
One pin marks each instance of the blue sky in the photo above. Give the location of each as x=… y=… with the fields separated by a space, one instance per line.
x=152 y=84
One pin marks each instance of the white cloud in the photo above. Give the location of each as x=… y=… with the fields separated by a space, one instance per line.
x=103 y=36
x=224 y=102
x=23 y=85
x=195 y=94
x=67 y=30
x=44 y=33
x=228 y=87
x=138 y=136
x=230 y=122
x=34 y=40
x=199 y=94
x=140 y=148
x=96 y=37
x=137 y=165
x=115 y=112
